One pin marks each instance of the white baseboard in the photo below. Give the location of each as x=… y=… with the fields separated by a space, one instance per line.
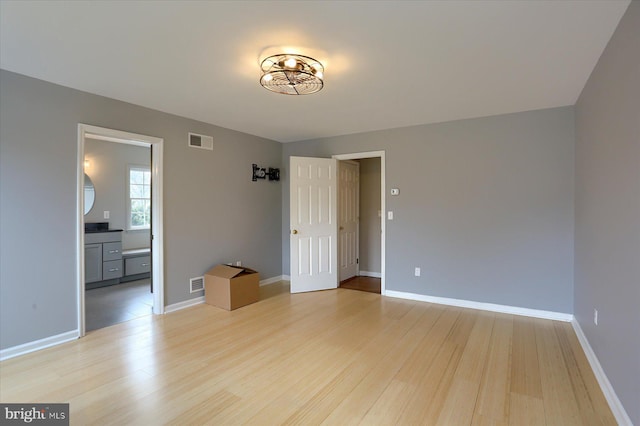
x=370 y=274
x=184 y=304
x=614 y=403
x=505 y=309
x=273 y=280
x=38 y=344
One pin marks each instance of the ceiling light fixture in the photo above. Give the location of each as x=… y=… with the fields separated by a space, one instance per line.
x=292 y=74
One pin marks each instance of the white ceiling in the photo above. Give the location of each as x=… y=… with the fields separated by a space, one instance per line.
x=388 y=63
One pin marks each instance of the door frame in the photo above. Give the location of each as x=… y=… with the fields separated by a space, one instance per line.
x=381 y=155
x=157 y=238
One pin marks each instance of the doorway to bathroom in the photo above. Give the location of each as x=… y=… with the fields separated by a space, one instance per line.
x=120 y=227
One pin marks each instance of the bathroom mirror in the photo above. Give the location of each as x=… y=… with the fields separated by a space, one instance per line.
x=89 y=194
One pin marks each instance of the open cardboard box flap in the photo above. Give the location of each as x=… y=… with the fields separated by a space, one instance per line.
x=228 y=272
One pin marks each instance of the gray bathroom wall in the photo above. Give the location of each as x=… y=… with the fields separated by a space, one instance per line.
x=213 y=212
x=370 y=205
x=485 y=206
x=108 y=167
x=607 y=222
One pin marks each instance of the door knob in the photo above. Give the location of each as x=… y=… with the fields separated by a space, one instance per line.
x=295 y=231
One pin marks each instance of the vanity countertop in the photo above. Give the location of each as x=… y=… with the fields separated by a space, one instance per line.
x=96 y=227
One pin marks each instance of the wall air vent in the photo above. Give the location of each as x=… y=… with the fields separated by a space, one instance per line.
x=200 y=141
x=196 y=284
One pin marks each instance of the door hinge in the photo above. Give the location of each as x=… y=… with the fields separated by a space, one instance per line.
x=357 y=261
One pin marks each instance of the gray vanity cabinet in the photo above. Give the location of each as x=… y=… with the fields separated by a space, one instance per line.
x=111 y=270
x=112 y=251
x=137 y=265
x=102 y=258
x=92 y=263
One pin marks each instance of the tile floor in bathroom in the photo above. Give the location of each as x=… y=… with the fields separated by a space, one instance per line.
x=110 y=305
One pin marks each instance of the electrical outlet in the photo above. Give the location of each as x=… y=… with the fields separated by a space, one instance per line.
x=417 y=272
x=238 y=263
x=595 y=316
x=106 y=214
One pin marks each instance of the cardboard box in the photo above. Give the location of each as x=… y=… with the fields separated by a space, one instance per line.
x=230 y=287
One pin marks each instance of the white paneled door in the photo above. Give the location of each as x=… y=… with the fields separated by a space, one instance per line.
x=313 y=224
x=348 y=218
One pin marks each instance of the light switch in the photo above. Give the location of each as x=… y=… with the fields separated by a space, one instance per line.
x=390 y=215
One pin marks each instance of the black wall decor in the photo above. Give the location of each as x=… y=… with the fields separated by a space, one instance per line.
x=258 y=173
x=274 y=174
x=262 y=173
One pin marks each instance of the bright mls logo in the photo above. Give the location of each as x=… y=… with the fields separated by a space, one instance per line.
x=37 y=414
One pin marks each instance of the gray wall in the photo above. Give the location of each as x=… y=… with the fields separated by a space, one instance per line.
x=607 y=221
x=212 y=211
x=108 y=167
x=485 y=206
x=370 y=205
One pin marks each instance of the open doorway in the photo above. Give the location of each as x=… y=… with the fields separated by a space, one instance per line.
x=361 y=225
x=120 y=239
x=360 y=216
x=117 y=226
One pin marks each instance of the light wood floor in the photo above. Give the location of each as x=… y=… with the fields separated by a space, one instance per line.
x=333 y=357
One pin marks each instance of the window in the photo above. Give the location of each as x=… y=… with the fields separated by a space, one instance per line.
x=139 y=197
